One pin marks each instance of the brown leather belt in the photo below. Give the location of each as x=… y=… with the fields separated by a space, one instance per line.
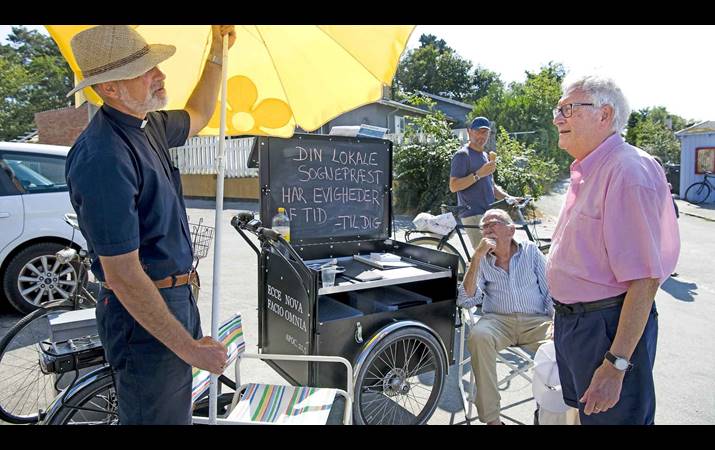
x=168 y=282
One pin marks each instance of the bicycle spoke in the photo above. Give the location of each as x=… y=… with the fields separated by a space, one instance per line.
x=381 y=407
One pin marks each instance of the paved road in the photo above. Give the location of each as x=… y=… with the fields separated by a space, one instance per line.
x=683 y=371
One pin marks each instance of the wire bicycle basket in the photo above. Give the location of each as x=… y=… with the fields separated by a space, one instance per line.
x=201 y=237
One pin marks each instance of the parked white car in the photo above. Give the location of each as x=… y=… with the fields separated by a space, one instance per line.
x=33 y=201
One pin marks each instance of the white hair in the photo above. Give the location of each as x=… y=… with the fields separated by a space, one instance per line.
x=604 y=91
x=499 y=212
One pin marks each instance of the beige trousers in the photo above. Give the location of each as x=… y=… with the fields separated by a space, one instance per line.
x=491 y=334
x=474 y=234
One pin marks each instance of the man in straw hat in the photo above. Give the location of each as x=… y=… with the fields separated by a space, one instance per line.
x=130 y=207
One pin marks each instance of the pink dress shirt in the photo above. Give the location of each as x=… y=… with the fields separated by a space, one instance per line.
x=617 y=224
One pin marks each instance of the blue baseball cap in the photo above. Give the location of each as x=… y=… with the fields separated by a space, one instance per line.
x=480 y=122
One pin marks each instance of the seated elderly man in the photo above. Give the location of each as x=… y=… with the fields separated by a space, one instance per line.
x=508 y=279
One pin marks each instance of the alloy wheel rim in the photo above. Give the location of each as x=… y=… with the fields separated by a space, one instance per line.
x=45 y=279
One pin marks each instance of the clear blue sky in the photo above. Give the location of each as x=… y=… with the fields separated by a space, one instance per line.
x=655 y=65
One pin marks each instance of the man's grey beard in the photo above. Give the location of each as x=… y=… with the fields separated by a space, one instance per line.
x=150 y=103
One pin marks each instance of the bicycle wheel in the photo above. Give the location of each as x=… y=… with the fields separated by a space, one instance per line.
x=436 y=244
x=697 y=193
x=93 y=404
x=25 y=389
x=401 y=380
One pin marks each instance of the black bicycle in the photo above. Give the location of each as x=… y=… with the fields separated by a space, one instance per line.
x=433 y=241
x=27 y=384
x=26 y=388
x=698 y=192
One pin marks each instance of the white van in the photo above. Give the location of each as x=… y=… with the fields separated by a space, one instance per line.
x=33 y=201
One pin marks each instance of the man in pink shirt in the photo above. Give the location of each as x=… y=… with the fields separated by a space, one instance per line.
x=615 y=242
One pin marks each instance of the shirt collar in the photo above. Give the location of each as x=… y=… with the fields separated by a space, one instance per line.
x=600 y=154
x=519 y=247
x=123 y=118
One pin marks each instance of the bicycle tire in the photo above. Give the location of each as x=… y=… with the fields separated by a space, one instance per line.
x=436 y=244
x=100 y=393
x=24 y=388
x=402 y=361
x=695 y=196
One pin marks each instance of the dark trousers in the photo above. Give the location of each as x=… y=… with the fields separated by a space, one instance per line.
x=153 y=384
x=581 y=342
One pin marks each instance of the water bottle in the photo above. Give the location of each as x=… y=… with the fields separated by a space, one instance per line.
x=281 y=224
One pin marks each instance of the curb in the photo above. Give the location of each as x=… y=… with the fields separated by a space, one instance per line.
x=696 y=215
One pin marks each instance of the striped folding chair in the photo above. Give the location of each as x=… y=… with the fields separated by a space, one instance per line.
x=267 y=404
x=517 y=359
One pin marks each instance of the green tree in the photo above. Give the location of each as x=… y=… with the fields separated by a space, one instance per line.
x=436 y=68
x=422 y=162
x=35 y=78
x=657 y=139
x=653 y=130
x=526 y=107
x=520 y=170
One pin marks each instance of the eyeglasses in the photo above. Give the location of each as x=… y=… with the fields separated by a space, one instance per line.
x=567 y=109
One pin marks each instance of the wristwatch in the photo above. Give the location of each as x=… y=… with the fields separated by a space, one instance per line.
x=476 y=177
x=619 y=363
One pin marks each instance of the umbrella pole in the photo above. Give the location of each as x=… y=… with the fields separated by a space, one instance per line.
x=216 y=292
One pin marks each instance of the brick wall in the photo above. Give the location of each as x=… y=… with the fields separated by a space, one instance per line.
x=61 y=126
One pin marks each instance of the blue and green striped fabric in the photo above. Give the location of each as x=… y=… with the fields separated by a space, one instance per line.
x=287 y=405
x=231 y=336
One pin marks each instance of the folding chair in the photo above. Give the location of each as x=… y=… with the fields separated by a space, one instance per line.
x=267 y=404
x=524 y=361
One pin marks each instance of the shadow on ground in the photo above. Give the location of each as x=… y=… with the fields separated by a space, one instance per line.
x=682 y=290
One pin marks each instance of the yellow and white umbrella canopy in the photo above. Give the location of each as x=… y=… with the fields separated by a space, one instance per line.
x=279 y=76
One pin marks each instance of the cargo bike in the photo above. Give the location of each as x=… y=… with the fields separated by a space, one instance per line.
x=391 y=310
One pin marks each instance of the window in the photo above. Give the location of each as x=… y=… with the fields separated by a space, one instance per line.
x=9 y=185
x=36 y=173
x=704 y=160
x=399 y=124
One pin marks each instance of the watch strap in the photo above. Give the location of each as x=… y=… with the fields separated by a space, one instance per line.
x=610 y=357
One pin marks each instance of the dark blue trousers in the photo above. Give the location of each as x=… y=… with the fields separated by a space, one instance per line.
x=153 y=384
x=581 y=342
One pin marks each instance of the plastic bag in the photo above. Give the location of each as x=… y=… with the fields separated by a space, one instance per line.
x=442 y=224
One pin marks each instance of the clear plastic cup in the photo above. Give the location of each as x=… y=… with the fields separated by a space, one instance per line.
x=327 y=275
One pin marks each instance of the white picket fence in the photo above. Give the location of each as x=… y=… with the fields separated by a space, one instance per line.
x=422 y=138
x=198 y=156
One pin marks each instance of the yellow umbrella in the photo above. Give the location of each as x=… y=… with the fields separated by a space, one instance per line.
x=274 y=78
x=279 y=76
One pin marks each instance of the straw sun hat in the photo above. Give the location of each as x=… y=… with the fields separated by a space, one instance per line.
x=114 y=52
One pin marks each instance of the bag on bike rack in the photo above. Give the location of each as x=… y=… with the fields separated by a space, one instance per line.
x=442 y=224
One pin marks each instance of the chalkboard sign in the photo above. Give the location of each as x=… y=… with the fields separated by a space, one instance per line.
x=333 y=188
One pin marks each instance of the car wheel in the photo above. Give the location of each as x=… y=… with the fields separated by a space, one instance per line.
x=35 y=276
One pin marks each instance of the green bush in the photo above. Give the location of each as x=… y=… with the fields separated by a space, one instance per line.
x=422 y=163
x=520 y=171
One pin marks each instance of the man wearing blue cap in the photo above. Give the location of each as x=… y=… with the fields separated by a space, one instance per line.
x=471 y=177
